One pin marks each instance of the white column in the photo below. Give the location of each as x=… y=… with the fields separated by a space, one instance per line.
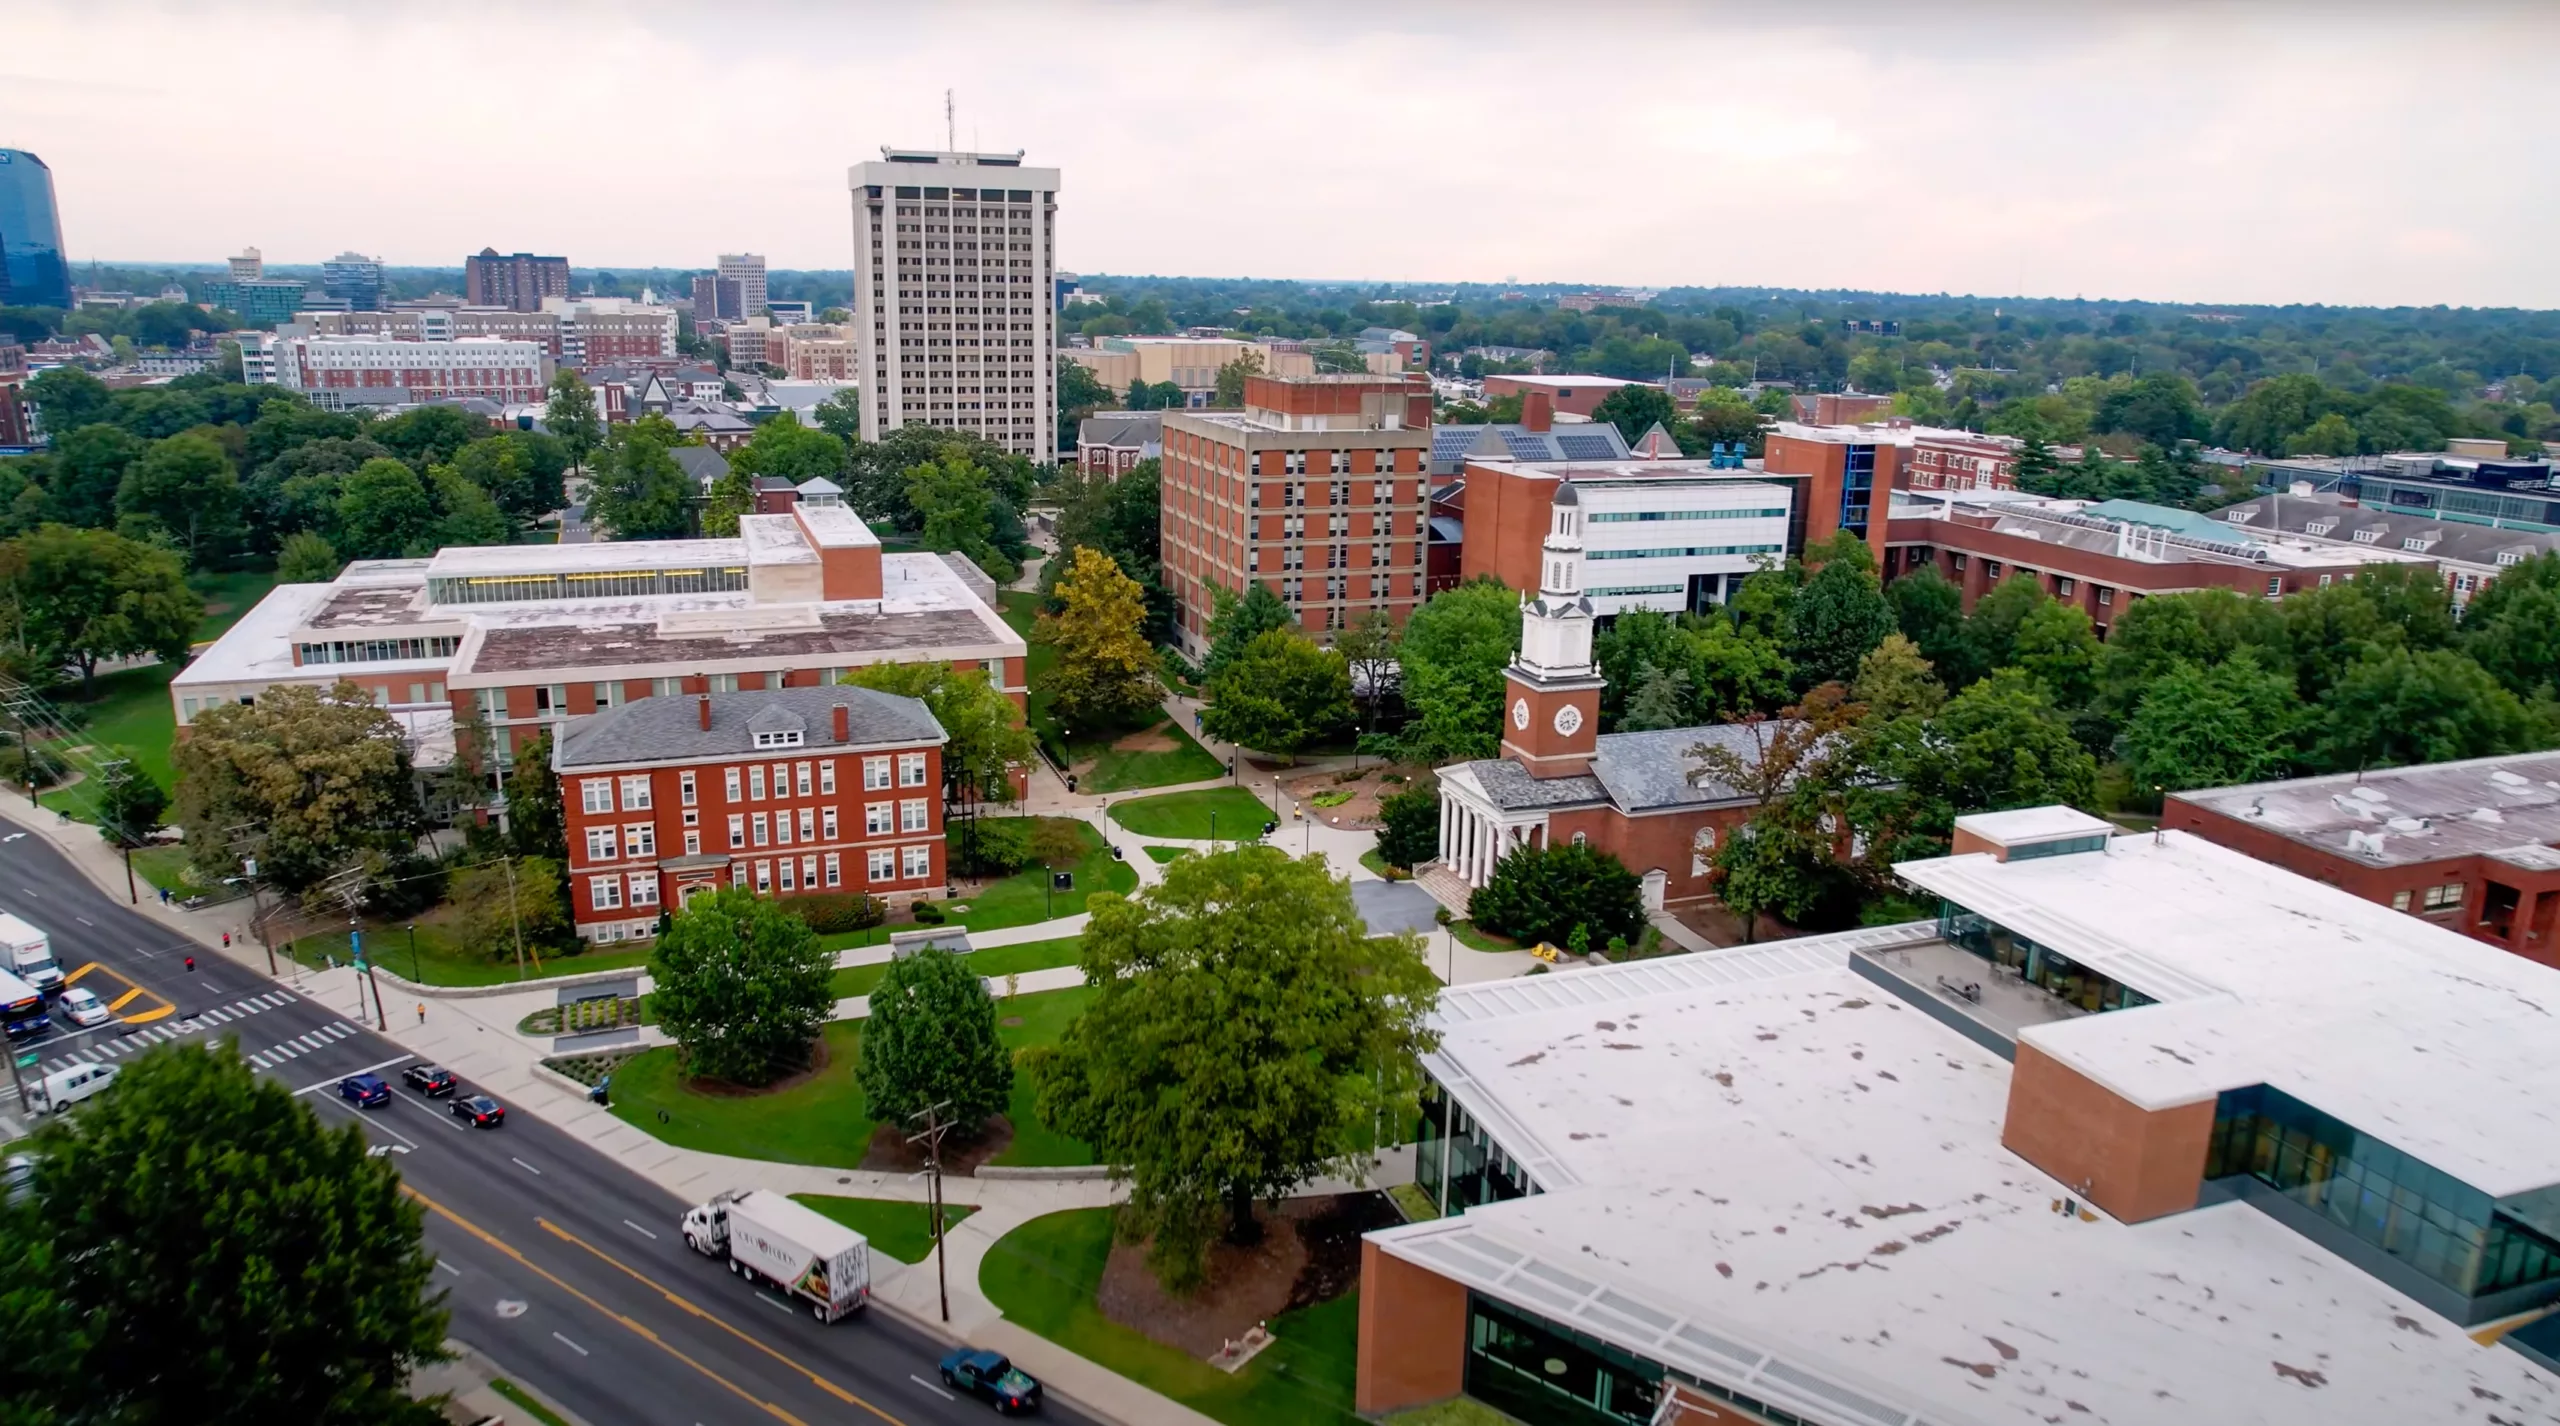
x=1448 y=815
x=1473 y=836
x=1492 y=854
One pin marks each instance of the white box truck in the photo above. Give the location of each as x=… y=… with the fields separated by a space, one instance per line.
x=28 y=954
x=765 y=1237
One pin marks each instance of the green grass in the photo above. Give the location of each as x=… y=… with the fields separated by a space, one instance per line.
x=167 y=866
x=1167 y=854
x=995 y=963
x=1107 y=769
x=1413 y=1203
x=1020 y=899
x=443 y=959
x=522 y=1401
x=227 y=597
x=129 y=716
x=1186 y=815
x=826 y=1120
x=894 y=1226
x=1476 y=939
x=1456 y=1411
x=1044 y=1274
x=1378 y=864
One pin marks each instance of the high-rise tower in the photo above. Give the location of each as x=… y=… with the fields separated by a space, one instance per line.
x=32 y=271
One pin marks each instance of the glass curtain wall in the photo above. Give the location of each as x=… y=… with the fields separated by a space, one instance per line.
x=2055 y=973
x=1455 y=1162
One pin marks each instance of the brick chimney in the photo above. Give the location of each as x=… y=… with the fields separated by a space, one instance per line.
x=1537 y=410
x=844 y=724
x=703 y=703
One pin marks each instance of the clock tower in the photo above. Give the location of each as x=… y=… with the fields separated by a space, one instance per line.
x=1551 y=691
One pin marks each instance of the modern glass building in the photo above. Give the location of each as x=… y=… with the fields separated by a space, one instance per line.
x=32 y=270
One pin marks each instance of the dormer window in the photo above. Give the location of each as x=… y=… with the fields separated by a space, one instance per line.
x=786 y=738
x=2419 y=543
x=2507 y=557
x=2369 y=537
x=2319 y=527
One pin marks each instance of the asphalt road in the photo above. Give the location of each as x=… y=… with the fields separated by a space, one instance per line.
x=562 y=1266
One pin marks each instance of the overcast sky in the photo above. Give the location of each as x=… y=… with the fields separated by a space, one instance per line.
x=2343 y=153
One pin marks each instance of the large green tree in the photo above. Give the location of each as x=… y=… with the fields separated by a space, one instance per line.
x=382 y=512
x=2512 y=628
x=1122 y=516
x=1929 y=610
x=89 y=465
x=985 y=736
x=931 y=1041
x=183 y=490
x=1837 y=616
x=2002 y=744
x=1278 y=695
x=1636 y=409
x=1548 y=893
x=84 y=595
x=1455 y=648
x=570 y=414
x=2211 y=727
x=742 y=987
x=307 y=558
x=1237 y=620
x=643 y=494
x=197 y=1246
x=958 y=507
x=1247 y=1033
x=1409 y=827
x=306 y=780
x=2434 y=706
x=780 y=447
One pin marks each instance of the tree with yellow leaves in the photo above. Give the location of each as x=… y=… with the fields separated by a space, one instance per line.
x=1106 y=672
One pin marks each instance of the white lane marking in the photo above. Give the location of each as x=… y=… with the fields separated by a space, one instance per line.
x=368 y=1069
x=308 y=1042
x=83 y=920
x=372 y=1123
x=775 y=1302
x=636 y=1228
x=260 y=1061
x=929 y=1386
x=284 y=1051
x=448 y=1267
x=528 y=1168
x=30 y=891
x=572 y=1346
x=216 y=1016
x=447 y=1120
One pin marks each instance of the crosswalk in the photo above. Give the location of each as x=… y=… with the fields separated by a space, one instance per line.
x=107 y=1047
x=274 y=1055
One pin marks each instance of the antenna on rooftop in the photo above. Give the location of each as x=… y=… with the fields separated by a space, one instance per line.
x=950 y=124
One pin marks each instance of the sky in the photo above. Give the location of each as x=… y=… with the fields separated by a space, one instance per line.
x=2338 y=153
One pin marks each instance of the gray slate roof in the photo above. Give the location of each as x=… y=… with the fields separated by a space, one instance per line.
x=1647 y=770
x=703 y=463
x=1139 y=429
x=2452 y=539
x=669 y=728
x=1511 y=787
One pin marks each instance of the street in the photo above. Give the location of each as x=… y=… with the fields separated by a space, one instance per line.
x=564 y=1268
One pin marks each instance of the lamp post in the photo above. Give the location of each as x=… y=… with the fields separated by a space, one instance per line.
x=413 y=955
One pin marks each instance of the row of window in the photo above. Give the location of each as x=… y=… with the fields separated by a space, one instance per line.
x=377 y=650
x=803 y=779
x=915 y=814
x=1687 y=552
x=1619 y=517
x=2436 y=898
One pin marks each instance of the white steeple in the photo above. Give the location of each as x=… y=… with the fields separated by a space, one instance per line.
x=1555 y=627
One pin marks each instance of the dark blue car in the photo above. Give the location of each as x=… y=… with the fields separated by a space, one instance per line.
x=988 y=1374
x=364 y=1090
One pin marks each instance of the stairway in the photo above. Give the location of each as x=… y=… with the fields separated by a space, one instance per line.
x=1445 y=885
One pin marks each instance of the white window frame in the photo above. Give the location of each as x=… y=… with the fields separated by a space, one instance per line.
x=879 y=818
x=826 y=779
x=835 y=870
x=800 y=779
x=875 y=774
x=762 y=829
x=640 y=839
x=911 y=769
x=883 y=865
x=916 y=863
x=729 y=780
x=601 y=844
x=755 y=783
x=644 y=888
x=737 y=830
x=595 y=794
x=636 y=795
x=912 y=816
x=604 y=893
x=827 y=822
x=686 y=792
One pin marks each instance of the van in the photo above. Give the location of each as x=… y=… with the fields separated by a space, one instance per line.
x=63 y=1088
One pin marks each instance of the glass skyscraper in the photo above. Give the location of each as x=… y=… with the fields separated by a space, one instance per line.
x=32 y=272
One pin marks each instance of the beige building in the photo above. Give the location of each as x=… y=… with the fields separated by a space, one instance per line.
x=815 y=351
x=1188 y=362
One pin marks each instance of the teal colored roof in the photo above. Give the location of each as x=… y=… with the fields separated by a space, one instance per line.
x=2175 y=521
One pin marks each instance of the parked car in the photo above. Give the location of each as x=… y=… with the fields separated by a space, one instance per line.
x=365 y=1091
x=989 y=1374
x=482 y=1111
x=82 y=1007
x=433 y=1081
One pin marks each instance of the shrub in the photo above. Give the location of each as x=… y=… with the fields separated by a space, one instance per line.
x=928 y=913
x=835 y=911
x=1409 y=834
x=13 y=767
x=1550 y=893
x=1001 y=846
x=1331 y=797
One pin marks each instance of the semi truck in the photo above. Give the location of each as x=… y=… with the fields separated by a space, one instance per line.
x=799 y=1252
x=27 y=953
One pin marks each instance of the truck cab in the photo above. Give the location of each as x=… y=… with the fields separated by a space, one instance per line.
x=706 y=1227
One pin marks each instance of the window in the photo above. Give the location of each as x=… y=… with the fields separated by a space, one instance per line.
x=827 y=776
x=2275 y=585
x=884 y=865
x=755 y=784
x=875 y=773
x=783 y=738
x=693 y=844
x=764 y=877
x=835 y=870
x=782 y=828
x=635 y=793
x=641 y=838
x=596 y=794
x=600 y=844
x=911 y=769
x=782 y=779
x=919 y=862
x=827 y=820
x=790 y=875
x=2445 y=897
x=800 y=778
x=2062 y=587
x=2367 y=537
x=911 y=815
x=685 y=789
x=644 y=888
x=875 y=818
x=809 y=872
x=808 y=822
x=729 y=777
x=2399 y=901
x=604 y=893
x=763 y=831
x=2106 y=595
x=737 y=831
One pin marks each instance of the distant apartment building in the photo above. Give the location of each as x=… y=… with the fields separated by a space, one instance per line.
x=519 y=281
x=595 y=331
x=1315 y=489
x=339 y=373
x=576 y=332
x=259 y=301
x=1840 y=408
x=354 y=279
x=1576 y=396
x=746 y=272
x=1191 y=363
x=815 y=351
x=1113 y=442
x=249 y=266
x=715 y=298
x=750 y=342
x=953 y=261
x=2472 y=556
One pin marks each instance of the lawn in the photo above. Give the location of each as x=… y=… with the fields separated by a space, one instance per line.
x=896 y=1227
x=825 y=1120
x=1456 y=1411
x=1161 y=855
x=442 y=958
x=167 y=867
x=227 y=597
x=1020 y=899
x=1187 y=815
x=524 y=1402
x=1111 y=769
x=1380 y=866
x=130 y=716
x=994 y=963
x=1476 y=938
x=1044 y=1274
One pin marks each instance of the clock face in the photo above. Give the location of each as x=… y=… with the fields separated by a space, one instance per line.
x=1568 y=718
x=1520 y=715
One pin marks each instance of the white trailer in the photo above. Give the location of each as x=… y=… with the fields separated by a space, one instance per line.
x=27 y=953
x=767 y=1238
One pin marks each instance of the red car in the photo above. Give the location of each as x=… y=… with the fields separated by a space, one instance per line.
x=481 y=1110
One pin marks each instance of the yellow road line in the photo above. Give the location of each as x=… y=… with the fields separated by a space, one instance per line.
x=164 y=1009
x=641 y=1330
x=145 y=1017
x=75 y=975
x=122 y=1000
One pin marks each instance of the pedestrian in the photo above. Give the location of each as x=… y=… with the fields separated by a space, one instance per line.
x=164 y=896
x=226 y=940
x=422 y=1012
x=191 y=965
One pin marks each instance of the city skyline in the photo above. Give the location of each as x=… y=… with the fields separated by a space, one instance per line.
x=2181 y=155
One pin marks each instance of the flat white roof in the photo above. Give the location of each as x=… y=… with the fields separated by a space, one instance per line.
x=2445 y=1047
x=463 y=561
x=774 y=539
x=1764 y=1170
x=259 y=646
x=2034 y=824
x=833 y=526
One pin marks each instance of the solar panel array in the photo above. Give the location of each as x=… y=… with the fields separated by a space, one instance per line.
x=1583 y=445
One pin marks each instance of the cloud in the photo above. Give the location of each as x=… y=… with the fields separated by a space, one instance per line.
x=2186 y=152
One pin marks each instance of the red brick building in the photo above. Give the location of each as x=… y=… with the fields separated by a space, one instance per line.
x=516 y=280
x=1315 y=489
x=1572 y=395
x=2467 y=845
x=784 y=792
x=1849 y=476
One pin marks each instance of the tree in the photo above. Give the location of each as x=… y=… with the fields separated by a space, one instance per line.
x=570 y=414
x=200 y=1248
x=1771 y=866
x=1894 y=681
x=2512 y=628
x=1228 y=394
x=307 y=559
x=959 y=513
x=1837 y=616
x=430 y=435
x=1369 y=648
x=1246 y=1034
x=1156 y=396
x=1547 y=893
x=1732 y=672
x=321 y=777
x=2058 y=648
x=1661 y=700
x=69 y=398
x=1455 y=647
x=1080 y=394
x=783 y=448
x=466 y=514
x=2331 y=435
x=182 y=488
x=522 y=471
x=2203 y=628
x=644 y=495
x=931 y=1040
x=1278 y=695
x=840 y=415
x=1122 y=517
x=89 y=465
x=2001 y=744
x=1635 y=641
x=1409 y=827
x=2160 y=408
x=1991 y=632
x=2426 y=707
x=382 y=512
x=1106 y=671
x=1929 y=610
x=537 y=823
x=742 y=986
x=130 y=805
x=85 y=595
x=1056 y=842
x=1236 y=621
x=1637 y=409
x=2211 y=727
x=524 y=903
x=984 y=732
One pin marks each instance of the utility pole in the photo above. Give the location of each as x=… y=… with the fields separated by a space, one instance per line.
x=515 y=914
x=931 y=1137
